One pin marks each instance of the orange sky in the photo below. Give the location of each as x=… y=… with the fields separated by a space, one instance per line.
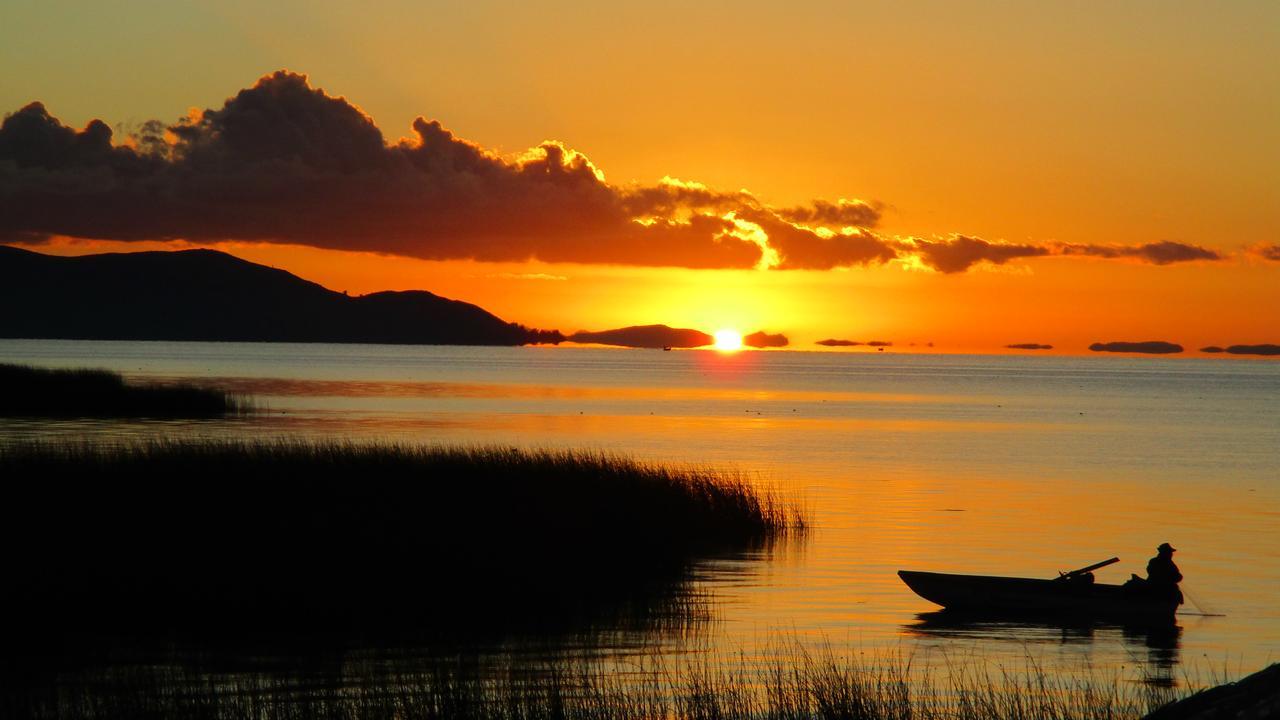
x=1043 y=128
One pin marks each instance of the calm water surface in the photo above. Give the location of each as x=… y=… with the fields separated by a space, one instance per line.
x=982 y=464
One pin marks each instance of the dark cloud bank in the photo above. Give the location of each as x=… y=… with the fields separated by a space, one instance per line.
x=1158 y=253
x=1029 y=346
x=1266 y=251
x=285 y=162
x=960 y=252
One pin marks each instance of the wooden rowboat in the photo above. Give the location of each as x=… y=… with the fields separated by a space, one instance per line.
x=1029 y=597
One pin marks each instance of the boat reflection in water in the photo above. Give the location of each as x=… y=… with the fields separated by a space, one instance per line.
x=1155 y=644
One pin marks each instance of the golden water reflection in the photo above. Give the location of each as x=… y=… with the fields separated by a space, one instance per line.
x=951 y=471
x=272 y=387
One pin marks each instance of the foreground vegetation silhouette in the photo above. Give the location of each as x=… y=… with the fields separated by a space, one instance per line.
x=224 y=539
x=792 y=682
x=27 y=391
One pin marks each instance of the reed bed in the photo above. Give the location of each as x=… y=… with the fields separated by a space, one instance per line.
x=27 y=391
x=306 y=537
x=797 y=685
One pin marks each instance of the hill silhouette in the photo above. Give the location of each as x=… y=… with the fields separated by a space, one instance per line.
x=645 y=336
x=210 y=295
x=763 y=339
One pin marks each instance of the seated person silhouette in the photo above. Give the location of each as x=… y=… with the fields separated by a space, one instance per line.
x=1163 y=576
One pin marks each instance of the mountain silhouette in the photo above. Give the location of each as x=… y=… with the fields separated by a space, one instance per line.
x=210 y=295
x=763 y=339
x=645 y=336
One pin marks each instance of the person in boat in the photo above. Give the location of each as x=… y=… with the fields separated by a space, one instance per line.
x=1163 y=575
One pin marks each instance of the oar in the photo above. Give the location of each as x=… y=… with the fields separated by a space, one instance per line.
x=1090 y=568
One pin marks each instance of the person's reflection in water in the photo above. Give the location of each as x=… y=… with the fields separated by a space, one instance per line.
x=1162 y=643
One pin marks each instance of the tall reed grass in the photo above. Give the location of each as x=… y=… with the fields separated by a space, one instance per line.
x=294 y=537
x=28 y=391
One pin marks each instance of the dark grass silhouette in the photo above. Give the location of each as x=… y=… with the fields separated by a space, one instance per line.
x=225 y=539
x=27 y=391
x=793 y=684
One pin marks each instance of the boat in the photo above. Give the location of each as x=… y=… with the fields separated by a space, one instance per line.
x=1071 y=594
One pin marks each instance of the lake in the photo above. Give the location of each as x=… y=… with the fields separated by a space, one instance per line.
x=1005 y=465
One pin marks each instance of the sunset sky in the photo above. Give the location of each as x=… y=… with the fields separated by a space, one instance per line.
x=967 y=174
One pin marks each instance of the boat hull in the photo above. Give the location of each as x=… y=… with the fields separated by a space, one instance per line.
x=989 y=595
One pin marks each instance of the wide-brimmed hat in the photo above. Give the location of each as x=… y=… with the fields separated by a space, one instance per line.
x=1166 y=547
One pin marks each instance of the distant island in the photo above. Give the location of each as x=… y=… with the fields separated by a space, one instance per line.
x=210 y=295
x=763 y=339
x=1149 y=347
x=1029 y=346
x=1266 y=349
x=645 y=336
x=837 y=342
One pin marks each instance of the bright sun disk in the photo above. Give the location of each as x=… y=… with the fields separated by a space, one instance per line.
x=728 y=340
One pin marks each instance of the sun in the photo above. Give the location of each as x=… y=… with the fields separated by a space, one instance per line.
x=728 y=340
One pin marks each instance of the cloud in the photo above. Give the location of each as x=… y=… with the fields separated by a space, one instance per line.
x=961 y=252
x=1029 y=346
x=1150 y=347
x=526 y=276
x=1266 y=251
x=840 y=214
x=24 y=237
x=285 y=162
x=763 y=339
x=672 y=196
x=1165 y=252
x=802 y=248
